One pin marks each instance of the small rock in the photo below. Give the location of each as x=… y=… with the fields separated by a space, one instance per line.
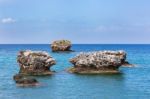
x=25 y=81
x=18 y=77
x=61 y=45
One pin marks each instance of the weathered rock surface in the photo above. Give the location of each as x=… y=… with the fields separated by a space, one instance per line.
x=98 y=62
x=25 y=81
x=35 y=63
x=61 y=45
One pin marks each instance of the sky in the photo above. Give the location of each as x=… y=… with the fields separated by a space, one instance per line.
x=81 y=21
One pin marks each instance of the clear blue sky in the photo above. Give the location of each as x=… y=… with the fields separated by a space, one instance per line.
x=81 y=21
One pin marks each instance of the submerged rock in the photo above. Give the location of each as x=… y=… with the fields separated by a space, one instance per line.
x=98 y=62
x=35 y=62
x=61 y=45
x=18 y=77
x=25 y=81
x=127 y=64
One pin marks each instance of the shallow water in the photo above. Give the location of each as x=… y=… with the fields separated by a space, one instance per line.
x=132 y=83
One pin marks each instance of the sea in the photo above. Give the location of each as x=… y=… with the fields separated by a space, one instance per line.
x=131 y=83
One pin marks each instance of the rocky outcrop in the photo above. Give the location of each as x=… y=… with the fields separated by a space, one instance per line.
x=98 y=62
x=25 y=81
x=35 y=63
x=61 y=45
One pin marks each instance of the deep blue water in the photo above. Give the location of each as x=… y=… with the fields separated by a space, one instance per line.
x=132 y=83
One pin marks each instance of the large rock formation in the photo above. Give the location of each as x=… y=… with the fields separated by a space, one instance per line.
x=61 y=45
x=98 y=62
x=35 y=63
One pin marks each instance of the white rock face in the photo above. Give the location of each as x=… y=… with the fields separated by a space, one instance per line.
x=99 y=59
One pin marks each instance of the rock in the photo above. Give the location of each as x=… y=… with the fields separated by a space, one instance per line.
x=25 y=81
x=18 y=77
x=127 y=64
x=35 y=62
x=61 y=45
x=98 y=62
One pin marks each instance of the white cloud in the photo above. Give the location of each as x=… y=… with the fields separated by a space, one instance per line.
x=8 y=20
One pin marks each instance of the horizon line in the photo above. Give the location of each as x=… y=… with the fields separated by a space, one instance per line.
x=79 y=43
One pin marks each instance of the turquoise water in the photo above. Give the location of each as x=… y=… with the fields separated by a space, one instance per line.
x=132 y=83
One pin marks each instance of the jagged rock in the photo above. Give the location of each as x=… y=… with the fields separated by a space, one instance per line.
x=25 y=81
x=61 y=45
x=98 y=62
x=35 y=63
